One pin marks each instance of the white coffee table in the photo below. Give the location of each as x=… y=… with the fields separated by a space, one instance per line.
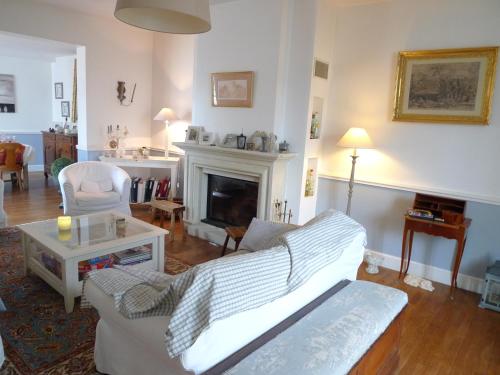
x=90 y=236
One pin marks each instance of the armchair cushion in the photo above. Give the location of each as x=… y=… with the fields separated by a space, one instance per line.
x=84 y=199
x=89 y=186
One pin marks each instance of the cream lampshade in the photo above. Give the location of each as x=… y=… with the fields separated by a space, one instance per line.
x=166 y=115
x=355 y=138
x=166 y=16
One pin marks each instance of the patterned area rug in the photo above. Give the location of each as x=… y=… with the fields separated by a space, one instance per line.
x=37 y=334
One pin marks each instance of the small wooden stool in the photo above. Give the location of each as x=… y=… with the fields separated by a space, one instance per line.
x=236 y=234
x=174 y=209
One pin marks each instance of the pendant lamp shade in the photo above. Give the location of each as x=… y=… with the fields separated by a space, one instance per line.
x=166 y=16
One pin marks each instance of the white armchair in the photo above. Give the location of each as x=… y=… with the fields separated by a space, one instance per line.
x=93 y=186
x=3 y=216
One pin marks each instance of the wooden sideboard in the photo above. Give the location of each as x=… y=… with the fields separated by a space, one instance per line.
x=57 y=146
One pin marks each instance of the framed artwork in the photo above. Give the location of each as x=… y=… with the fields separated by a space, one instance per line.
x=206 y=138
x=65 y=109
x=58 y=90
x=233 y=89
x=230 y=141
x=193 y=134
x=7 y=93
x=446 y=86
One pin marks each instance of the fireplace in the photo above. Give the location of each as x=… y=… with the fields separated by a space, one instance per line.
x=230 y=201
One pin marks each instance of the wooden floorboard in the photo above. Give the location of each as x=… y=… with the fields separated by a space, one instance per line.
x=440 y=335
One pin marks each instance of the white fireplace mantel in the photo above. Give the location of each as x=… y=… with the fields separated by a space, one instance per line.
x=268 y=169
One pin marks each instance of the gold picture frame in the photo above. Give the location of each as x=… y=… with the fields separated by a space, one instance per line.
x=232 y=89
x=453 y=86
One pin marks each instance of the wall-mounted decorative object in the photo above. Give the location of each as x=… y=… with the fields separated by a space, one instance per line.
x=230 y=141
x=193 y=134
x=233 y=89
x=320 y=69
x=65 y=112
x=241 y=141
x=7 y=93
x=315 y=124
x=121 y=93
x=58 y=90
x=206 y=138
x=447 y=86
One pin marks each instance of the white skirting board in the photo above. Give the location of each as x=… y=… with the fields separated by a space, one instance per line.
x=439 y=275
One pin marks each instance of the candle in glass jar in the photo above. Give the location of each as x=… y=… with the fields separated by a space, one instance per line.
x=64 y=222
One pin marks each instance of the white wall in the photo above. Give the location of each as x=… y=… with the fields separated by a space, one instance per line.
x=245 y=35
x=454 y=159
x=33 y=95
x=114 y=51
x=173 y=65
x=62 y=71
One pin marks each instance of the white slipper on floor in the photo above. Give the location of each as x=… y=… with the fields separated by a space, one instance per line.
x=419 y=282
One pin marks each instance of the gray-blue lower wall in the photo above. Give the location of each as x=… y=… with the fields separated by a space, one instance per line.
x=380 y=210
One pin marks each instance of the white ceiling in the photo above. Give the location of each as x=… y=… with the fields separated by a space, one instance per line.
x=21 y=46
x=107 y=7
x=96 y=7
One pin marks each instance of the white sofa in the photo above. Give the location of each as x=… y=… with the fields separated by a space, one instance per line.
x=3 y=215
x=128 y=347
x=93 y=186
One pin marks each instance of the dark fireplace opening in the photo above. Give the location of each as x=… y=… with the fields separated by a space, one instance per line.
x=230 y=201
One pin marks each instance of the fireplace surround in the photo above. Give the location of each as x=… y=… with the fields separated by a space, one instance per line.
x=264 y=171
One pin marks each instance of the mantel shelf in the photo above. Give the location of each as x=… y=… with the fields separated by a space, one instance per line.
x=243 y=154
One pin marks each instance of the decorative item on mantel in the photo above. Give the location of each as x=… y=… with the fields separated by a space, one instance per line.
x=284 y=146
x=241 y=141
x=355 y=138
x=230 y=141
x=262 y=141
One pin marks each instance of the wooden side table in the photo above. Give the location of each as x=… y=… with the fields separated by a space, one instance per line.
x=174 y=209
x=456 y=232
x=236 y=234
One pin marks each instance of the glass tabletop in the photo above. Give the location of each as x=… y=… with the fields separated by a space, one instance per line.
x=89 y=230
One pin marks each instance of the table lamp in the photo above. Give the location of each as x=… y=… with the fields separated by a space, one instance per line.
x=167 y=115
x=355 y=138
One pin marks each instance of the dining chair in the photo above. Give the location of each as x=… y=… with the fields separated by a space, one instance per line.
x=11 y=161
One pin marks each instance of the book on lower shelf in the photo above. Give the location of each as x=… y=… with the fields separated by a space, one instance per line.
x=143 y=190
x=132 y=256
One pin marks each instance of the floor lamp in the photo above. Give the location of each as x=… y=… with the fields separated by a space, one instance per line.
x=355 y=138
x=166 y=115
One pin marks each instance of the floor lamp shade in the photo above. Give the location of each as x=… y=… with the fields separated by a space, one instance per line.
x=354 y=138
x=166 y=16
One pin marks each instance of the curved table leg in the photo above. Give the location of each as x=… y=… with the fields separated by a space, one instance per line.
x=403 y=251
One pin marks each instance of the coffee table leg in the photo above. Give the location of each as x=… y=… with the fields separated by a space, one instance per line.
x=70 y=284
x=160 y=253
x=25 y=244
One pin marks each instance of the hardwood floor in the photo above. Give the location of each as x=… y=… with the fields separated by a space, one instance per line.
x=440 y=336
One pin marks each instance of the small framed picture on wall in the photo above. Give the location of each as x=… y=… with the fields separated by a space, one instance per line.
x=65 y=109
x=58 y=89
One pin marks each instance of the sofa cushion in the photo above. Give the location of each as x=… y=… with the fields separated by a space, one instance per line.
x=84 y=199
x=262 y=234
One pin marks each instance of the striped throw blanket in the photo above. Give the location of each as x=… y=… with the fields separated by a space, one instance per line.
x=229 y=285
